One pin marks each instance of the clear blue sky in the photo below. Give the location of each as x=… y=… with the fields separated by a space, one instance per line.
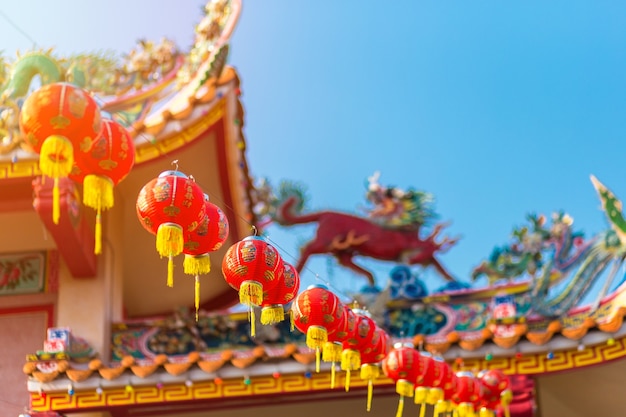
x=497 y=108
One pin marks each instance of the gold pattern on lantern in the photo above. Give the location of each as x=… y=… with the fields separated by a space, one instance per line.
x=107 y=164
x=59 y=122
x=248 y=252
x=171 y=210
x=77 y=103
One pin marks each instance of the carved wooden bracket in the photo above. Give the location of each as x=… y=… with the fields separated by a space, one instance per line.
x=73 y=234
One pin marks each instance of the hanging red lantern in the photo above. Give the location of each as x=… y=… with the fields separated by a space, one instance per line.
x=371 y=355
x=495 y=390
x=208 y=237
x=317 y=313
x=402 y=365
x=331 y=351
x=59 y=121
x=443 y=386
x=356 y=342
x=108 y=161
x=468 y=394
x=168 y=206
x=274 y=300
x=425 y=381
x=252 y=266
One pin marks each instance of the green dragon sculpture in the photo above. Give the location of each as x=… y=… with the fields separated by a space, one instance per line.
x=105 y=74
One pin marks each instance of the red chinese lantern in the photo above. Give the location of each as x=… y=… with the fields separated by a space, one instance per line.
x=59 y=122
x=356 y=342
x=274 y=300
x=468 y=394
x=331 y=351
x=208 y=237
x=402 y=364
x=425 y=381
x=443 y=386
x=317 y=312
x=371 y=355
x=252 y=266
x=168 y=206
x=495 y=390
x=108 y=161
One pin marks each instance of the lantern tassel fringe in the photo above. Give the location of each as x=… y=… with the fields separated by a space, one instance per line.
x=370 y=372
x=197 y=295
x=197 y=264
x=400 y=406
x=252 y=322
x=169 y=242
x=98 y=194
x=272 y=314
x=55 y=161
x=421 y=396
x=251 y=293
x=97 y=247
x=56 y=202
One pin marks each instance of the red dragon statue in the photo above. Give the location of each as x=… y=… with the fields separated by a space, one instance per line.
x=345 y=236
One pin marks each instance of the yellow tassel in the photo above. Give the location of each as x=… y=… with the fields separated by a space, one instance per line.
x=404 y=388
x=333 y=375
x=197 y=296
x=251 y=293
x=169 y=239
x=56 y=202
x=485 y=412
x=434 y=396
x=169 y=242
x=316 y=336
x=331 y=352
x=98 y=192
x=350 y=361
x=400 y=407
x=97 y=248
x=170 y=271
x=370 y=372
x=370 y=393
x=421 y=395
x=292 y=325
x=197 y=264
x=505 y=400
x=272 y=314
x=440 y=407
x=55 y=161
x=317 y=359
x=252 y=322
x=465 y=410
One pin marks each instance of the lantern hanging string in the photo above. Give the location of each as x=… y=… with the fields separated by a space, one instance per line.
x=256 y=232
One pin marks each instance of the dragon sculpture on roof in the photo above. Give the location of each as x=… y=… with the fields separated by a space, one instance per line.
x=127 y=86
x=391 y=232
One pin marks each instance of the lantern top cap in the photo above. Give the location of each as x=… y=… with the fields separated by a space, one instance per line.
x=465 y=374
x=426 y=354
x=255 y=237
x=362 y=312
x=403 y=345
x=313 y=286
x=172 y=172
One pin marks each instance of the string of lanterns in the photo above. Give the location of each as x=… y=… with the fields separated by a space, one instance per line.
x=62 y=123
x=175 y=209
x=340 y=333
